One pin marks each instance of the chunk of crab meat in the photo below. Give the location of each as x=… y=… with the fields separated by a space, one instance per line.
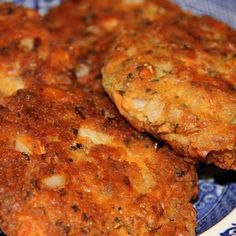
x=28 y=145
x=56 y=181
x=82 y=70
x=154 y=109
x=139 y=104
x=9 y=85
x=27 y=44
x=95 y=136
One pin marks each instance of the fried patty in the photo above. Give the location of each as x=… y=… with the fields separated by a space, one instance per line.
x=88 y=27
x=28 y=52
x=176 y=80
x=71 y=165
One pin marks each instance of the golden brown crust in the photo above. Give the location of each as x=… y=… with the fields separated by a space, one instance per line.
x=29 y=54
x=67 y=47
x=70 y=165
x=88 y=26
x=177 y=82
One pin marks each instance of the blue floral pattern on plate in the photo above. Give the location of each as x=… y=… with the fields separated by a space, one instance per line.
x=42 y=5
x=217 y=196
x=230 y=232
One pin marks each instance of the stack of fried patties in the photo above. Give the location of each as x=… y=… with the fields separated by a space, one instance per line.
x=70 y=163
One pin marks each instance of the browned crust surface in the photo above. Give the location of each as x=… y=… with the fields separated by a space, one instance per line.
x=176 y=80
x=70 y=165
x=29 y=53
x=88 y=26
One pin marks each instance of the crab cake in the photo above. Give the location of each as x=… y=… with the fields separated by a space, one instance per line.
x=70 y=165
x=176 y=80
x=28 y=54
x=88 y=26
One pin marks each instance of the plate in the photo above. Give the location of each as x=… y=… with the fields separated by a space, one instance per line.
x=216 y=203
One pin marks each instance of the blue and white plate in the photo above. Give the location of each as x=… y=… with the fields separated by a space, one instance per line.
x=216 y=204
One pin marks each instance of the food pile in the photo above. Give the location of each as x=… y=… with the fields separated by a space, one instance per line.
x=105 y=108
